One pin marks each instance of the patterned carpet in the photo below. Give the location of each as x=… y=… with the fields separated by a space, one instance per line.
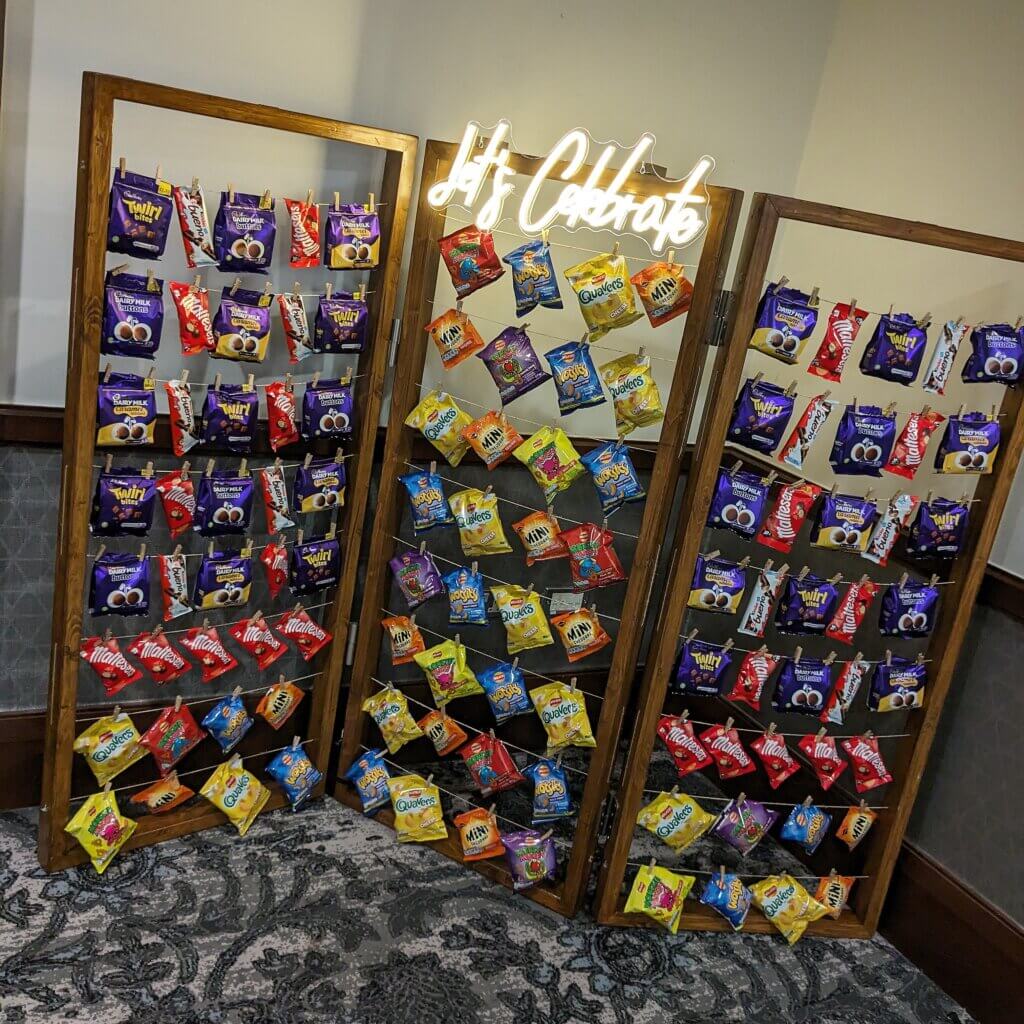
x=321 y=917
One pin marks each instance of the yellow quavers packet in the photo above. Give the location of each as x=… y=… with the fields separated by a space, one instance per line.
x=526 y=625
x=390 y=710
x=110 y=746
x=604 y=293
x=480 y=529
x=563 y=714
x=550 y=457
x=676 y=819
x=441 y=422
x=634 y=392
x=659 y=893
x=419 y=816
x=787 y=904
x=101 y=829
x=446 y=670
x=236 y=792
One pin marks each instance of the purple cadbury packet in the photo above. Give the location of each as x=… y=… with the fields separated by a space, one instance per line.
x=340 y=324
x=807 y=605
x=125 y=410
x=739 y=502
x=897 y=684
x=314 y=565
x=513 y=364
x=845 y=523
x=133 y=315
x=243 y=233
x=223 y=580
x=803 y=686
x=908 y=609
x=327 y=410
x=760 y=416
x=119 y=584
x=997 y=354
x=319 y=486
x=241 y=325
x=417 y=577
x=939 y=529
x=700 y=668
x=140 y=215
x=230 y=413
x=123 y=504
x=785 y=320
x=896 y=349
x=717 y=585
x=223 y=504
x=863 y=442
x=969 y=444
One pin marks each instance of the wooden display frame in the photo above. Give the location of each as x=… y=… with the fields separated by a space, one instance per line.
x=57 y=849
x=565 y=896
x=907 y=764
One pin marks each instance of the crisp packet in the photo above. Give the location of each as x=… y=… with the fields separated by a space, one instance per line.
x=236 y=792
x=445 y=733
x=163 y=796
x=441 y=422
x=997 y=353
x=140 y=215
x=341 y=323
x=296 y=326
x=370 y=776
x=109 y=746
x=760 y=415
x=763 y=594
x=469 y=255
x=787 y=904
x=551 y=798
x=726 y=894
x=684 y=748
x=178 y=498
x=855 y=825
x=803 y=686
x=159 y=657
x=133 y=315
x=281 y=428
x=328 y=409
x=230 y=415
x=563 y=714
x=794 y=451
x=894 y=518
x=897 y=684
x=908 y=451
x=390 y=710
x=195 y=327
x=676 y=819
x=214 y=658
x=786 y=318
x=101 y=829
x=908 y=609
x=530 y=857
x=125 y=409
x=614 y=475
x=539 y=532
x=969 y=445
x=725 y=749
x=943 y=356
x=171 y=736
x=896 y=348
x=278 y=704
x=604 y=292
x=480 y=529
x=753 y=675
x=533 y=277
x=739 y=502
x=851 y=611
x=227 y=722
x=419 y=817
x=869 y=771
x=576 y=381
x=581 y=633
x=864 y=441
x=833 y=893
x=635 y=395
x=492 y=437
x=744 y=823
x=194 y=221
x=778 y=762
x=845 y=522
x=505 y=686
x=806 y=825
x=717 y=585
x=792 y=504
x=523 y=617
x=426 y=500
x=593 y=562
x=455 y=336
x=840 y=333
x=417 y=576
x=241 y=325
x=244 y=231
x=478 y=834
x=304 y=218
x=467 y=597
x=352 y=237
x=660 y=894
x=275 y=499
x=840 y=700
x=939 y=529
x=405 y=637
x=700 y=668
x=823 y=754
x=513 y=364
x=295 y=773
x=123 y=503
x=664 y=291
x=446 y=670
x=490 y=764
x=550 y=457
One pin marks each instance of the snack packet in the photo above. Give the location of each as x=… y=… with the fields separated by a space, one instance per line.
x=492 y=437
x=660 y=894
x=314 y=565
x=101 y=829
x=195 y=326
x=405 y=637
x=223 y=504
x=281 y=428
x=614 y=476
x=163 y=796
x=173 y=586
x=214 y=658
x=840 y=333
x=455 y=336
x=125 y=409
x=551 y=798
x=635 y=395
x=839 y=702
x=676 y=819
x=806 y=825
x=604 y=292
x=490 y=764
x=778 y=762
x=505 y=687
x=467 y=597
x=576 y=381
x=327 y=409
x=140 y=215
x=760 y=415
x=513 y=364
x=241 y=325
x=469 y=256
x=804 y=685
x=319 y=484
x=296 y=326
x=480 y=529
x=295 y=773
x=969 y=445
x=684 y=748
x=717 y=585
x=370 y=776
x=159 y=657
x=244 y=231
x=786 y=318
x=908 y=451
x=763 y=594
x=552 y=460
x=997 y=354
x=133 y=315
x=446 y=670
x=341 y=323
x=726 y=894
x=227 y=722
x=581 y=633
x=744 y=823
x=224 y=580
x=352 y=237
x=739 y=502
x=417 y=576
x=236 y=792
x=869 y=771
x=123 y=503
x=908 y=609
x=119 y=584
x=725 y=749
x=755 y=671
x=939 y=529
x=304 y=218
x=109 y=746
x=419 y=817
x=533 y=277
x=563 y=714
x=171 y=736
x=530 y=857
x=442 y=423
x=230 y=414
x=794 y=452
x=593 y=562
x=855 y=825
x=664 y=291
x=178 y=499
x=427 y=503
x=445 y=733
x=792 y=504
x=897 y=684
x=851 y=611
x=523 y=617
x=390 y=710
x=478 y=834
x=539 y=533
x=700 y=668
x=787 y=904
x=274 y=558
x=864 y=441
x=894 y=519
x=808 y=604
x=307 y=635
x=822 y=752
x=943 y=356
x=896 y=348
x=181 y=417
x=278 y=704
x=196 y=236
x=833 y=893
x=275 y=499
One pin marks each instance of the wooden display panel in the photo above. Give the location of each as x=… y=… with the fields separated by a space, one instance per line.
x=404 y=445
x=57 y=849
x=907 y=755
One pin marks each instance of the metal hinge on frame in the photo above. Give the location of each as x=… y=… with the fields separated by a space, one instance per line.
x=350 y=647
x=720 y=318
x=609 y=806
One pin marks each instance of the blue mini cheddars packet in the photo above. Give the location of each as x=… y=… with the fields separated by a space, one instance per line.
x=369 y=774
x=426 y=500
x=551 y=799
x=228 y=721
x=614 y=475
x=727 y=894
x=533 y=277
x=506 y=691
x=467 y=597
x=806 y=825
x=575 y=377
x=293 y=771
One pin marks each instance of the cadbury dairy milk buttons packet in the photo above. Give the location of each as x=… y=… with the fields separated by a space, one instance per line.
x=744 y=824
x=969 y=444
x=807 y=606
x=417 y=576
x=119 y=584
x=194 y=221
x=895 y=517
x=467 y=597
x=739 y=502
x=760 y=416
x=803 y=686
x=243 y=233
x=575 y=377
x=223 y=581
x=533 y=277
x=230 y=413
x=241 y=326
x=863 y=442
x=125 y=410
x=785 y=320
x=997 y=354
x=352 y=237
x=123 y=504
x=840 y=333
x=939 y=529
x=700 y=668
x=952 y=333
x=427 y=502
x=794 y=451
x=513 y=364
x=340 y=324
x=327 y=410
x=133 y=315
x=223 y=504
x=469 y=255
x=896 y=349
x=314 y=565
x=844 y=523
x=140 y=215
x=717 y=585
x=908 y=452
x=897 y=684
x=319 y=486
x=614 y=475
x=908 y=609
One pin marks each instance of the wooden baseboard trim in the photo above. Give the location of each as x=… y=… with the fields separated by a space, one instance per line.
x=966 y=945
x=1004 y=591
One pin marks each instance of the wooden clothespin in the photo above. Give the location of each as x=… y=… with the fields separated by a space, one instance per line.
x=235 y=285
x=236 y=692
x=925 y=320
x=813 y=300
x=316 y=379
x=758 y=377
x=834 y=489
x=736 y=467
x=266 y=202
x=147 y=471
x=820 y=735
x=142 y=551
x=121 y=166
x=197 y=283
x=770 y=478
x=615 y=250
x=797 y=655
x=1018 y=322
x=151 y=285
x=728 y=645
x=691 y=636
x=423 y=547
x=231 y=192
x=328 y=290
x=296 y=740
x=712 y=555
x=888 y=658
x=891 y=306
x=683 y=716
x=209 y=549
x=371 y=205
x=835 y=579
x=209 y=468
x=743 y=562
x=108 y=462
x=803 y=573
x=853 y=310
x=783 y=281
x=176 y=551
x=808 y=801
x=177 y=703
x=250 y=381
x=106 y=373
x=831 y=658
x=300 y=533
x=768 y=563
x=728 y=724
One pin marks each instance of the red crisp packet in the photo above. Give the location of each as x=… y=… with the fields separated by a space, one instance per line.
x=726 y=751
x=775 y=756
x=178 y=498
x=275 y=498
x=469 y=255
x=275 y=561
x=309 y=636
x=592 y=559
x=490 y=764
x=908 y=451
x=823 y=754
x=160 y=658
x=214 y=658
x=174 y=733
x=840 y=331
x=106 y=660
x=281 y=414
x=783 y=523
x=305 y=221
x=683 y=746
x=851 y=611
x=255 y=637
x=195 y=328
x=755 y=671
x=181 y=416
x=869 y=771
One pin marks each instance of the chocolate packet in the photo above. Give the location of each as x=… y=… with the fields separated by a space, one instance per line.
x=786 y=318
x=319 y=485
x=327 y=409
x=804 y=685
x=224 y=580
x=700 y=668
x=241 y=325
x=908 y=609
x=797 y=447
x=195 y=325
x=739 y=502
x=908 y=452
x=513 y=364
x=296 y=326
x=223 y=504
x=939 y=529
x=760 y=415
x=140 y=215
x=763 y=594
x=119 y=584
x=304 y=217
x=533 y=277
x=997 y=353
x=792 y=504
x=840 y=333
x=969 y=445
x=230 y=413
x=807 y=606
x=194 y=221
x=897 y=684
x=125 y=409
x=243 y=232
x=123 y=503
x=314 y=565
x=341 y=323
x=181 y=415
x=863 y=441
x=946 y=348
x=275 y=498
x=896 y=348
x=845 y=523
x=352 y=237
x=575 y=376
x=894 y=518
x=133 y=315
x=717 y=586
x=417 y=576
x=837 y=707
x=469 y=255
